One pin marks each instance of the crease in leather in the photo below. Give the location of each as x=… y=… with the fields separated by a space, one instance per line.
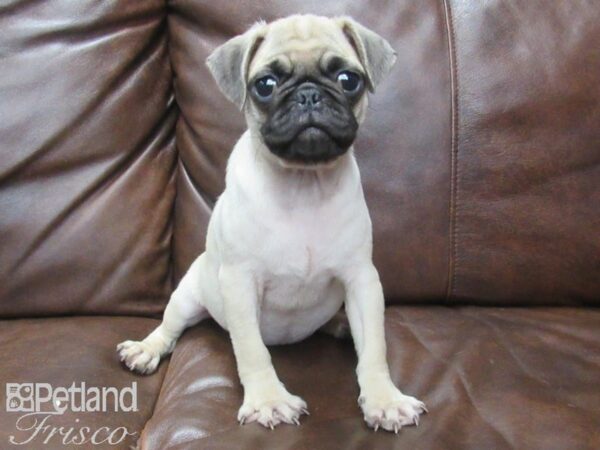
x=207 y=201
x=78 y=35
x=131 y=70
x=211 y=24
x=204 y=156
x=472 y=399
x=452 y=232
x=406 y=325
x=96 y=289
x=10 y=8
x=454 y=368
x=191 y=130
x=481 y=414
x=170 y=231
x=501 y=340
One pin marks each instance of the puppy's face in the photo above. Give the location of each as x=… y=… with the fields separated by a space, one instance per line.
x=302 y=83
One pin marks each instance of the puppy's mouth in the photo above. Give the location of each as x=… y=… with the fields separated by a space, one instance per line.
x=311 y=143
x=313 y=133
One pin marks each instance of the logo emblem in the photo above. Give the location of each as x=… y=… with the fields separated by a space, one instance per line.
x=19 y=397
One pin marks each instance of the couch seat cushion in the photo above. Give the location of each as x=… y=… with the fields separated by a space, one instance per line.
x=67 y=350
x=491 y=377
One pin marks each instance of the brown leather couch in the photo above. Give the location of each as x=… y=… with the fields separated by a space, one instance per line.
x=481 y=165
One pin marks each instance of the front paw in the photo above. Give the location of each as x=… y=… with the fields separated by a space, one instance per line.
x=271 y=405
x=388 y=408
x=139 y=357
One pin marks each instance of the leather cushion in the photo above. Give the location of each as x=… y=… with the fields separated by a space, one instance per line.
x=63 y=351
x=491 y=377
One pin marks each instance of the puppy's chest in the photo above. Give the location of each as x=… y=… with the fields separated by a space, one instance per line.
x=299 y=278
x=303 y=246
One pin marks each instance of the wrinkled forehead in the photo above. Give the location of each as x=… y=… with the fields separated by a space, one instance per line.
x=303 y=41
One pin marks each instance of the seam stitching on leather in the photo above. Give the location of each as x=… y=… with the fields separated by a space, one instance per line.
x=453 y=246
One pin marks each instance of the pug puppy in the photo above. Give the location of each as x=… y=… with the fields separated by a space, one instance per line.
x=289 y=241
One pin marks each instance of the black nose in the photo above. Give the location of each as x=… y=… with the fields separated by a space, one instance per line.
x=308 y=96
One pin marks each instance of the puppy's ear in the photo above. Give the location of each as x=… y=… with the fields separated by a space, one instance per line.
x=375 y=53
x=230 y=62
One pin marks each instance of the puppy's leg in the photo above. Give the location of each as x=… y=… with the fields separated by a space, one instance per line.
x=183 y=310
x=383 y=405
x=266 y=400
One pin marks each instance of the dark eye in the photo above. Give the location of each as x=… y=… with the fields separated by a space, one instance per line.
x=350 y=81
x=264 y=86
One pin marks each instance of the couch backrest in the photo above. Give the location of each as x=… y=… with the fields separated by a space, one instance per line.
x=526 y=152
x=480 y=155
x=88 y=157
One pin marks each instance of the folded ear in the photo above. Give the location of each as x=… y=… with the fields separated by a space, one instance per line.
x=230 y=62
x=375 y=53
